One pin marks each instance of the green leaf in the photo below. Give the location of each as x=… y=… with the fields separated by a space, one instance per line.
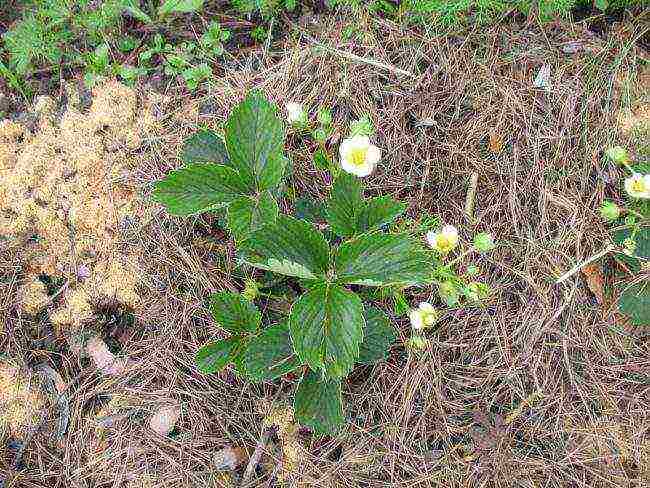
x=289 y=246
x=205 y=147
x=382 y=259
x=179 y=6
x=378 y=335
x=601 y=4
x=345 y=203
x=377 y=212
x=199 y=188
x=234 y=313
x=326 y=326
x=309 y=210
x=133 y=8
x=318 y=404
x=215 y=356
x=247 y=214
x=270 y=355
x=321 y=160
x=635 y=302
x=254 y=138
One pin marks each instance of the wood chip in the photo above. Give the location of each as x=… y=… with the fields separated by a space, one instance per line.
x=164 y=420
x=104 y=359
x=230 y=458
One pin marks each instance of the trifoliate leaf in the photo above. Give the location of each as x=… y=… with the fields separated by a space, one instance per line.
x=318 y=404
x=377 y=212
x=247 y=214
x=289 y=246
x=382 y=259
x=326 y=326
x=205 y=147
x=635 y=303
x=213 y=357
x=378 y=335
x=199 y=188
x=345 y=204
x=234 y=313
x=254 y=138
x=270 y=355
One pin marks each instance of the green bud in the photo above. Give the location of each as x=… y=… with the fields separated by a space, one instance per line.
x=618 y=155
x=324 y=117
x=448 y=293
x=362 y=127
x=484 y=242
x=477 y=291
x=251 y=290
x=629 y=246
x=417 y=343
x=610 y=211
x=472 y=270
x=320 y=135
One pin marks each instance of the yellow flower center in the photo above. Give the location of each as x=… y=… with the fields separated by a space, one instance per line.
x=638 y=185
x=444 y=243
x=358 y=156
x=428 y=318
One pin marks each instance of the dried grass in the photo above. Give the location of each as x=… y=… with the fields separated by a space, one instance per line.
x=538 y=388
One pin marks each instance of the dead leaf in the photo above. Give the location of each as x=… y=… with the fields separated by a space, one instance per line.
x=496 y=142
x=104 y=359
x=230 y=458
x=164 y=420
x=593 y=274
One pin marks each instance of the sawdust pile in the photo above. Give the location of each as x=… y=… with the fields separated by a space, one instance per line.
x=21 y=401
x=64 y=199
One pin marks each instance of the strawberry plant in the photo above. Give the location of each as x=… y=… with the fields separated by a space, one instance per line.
x=329 y=329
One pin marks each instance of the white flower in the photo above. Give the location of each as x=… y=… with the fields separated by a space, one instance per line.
x=638 y=186
x=358 y=156
x=445 y=240
x=295 y=113
x=423 y=316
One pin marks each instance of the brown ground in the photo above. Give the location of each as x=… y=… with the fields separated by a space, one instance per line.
x=541 y=387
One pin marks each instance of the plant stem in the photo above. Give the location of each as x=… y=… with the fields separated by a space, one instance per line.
x=579 y=266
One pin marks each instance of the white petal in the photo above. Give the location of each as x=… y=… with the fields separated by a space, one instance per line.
x=431 y=238
x=449 y=230
x=361 y=142
x=426 y=307
x=365 y=169
x=345 y=148
x=373 y=155
x=416 y=319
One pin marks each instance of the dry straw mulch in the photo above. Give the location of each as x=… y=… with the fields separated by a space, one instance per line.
x=540 y=387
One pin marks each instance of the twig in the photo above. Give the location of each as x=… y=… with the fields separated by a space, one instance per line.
x=354 y=57
x=257 y=455
x=579 y=266
x=471 y=195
